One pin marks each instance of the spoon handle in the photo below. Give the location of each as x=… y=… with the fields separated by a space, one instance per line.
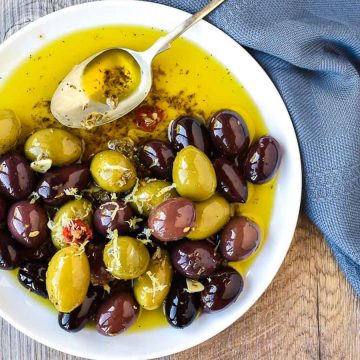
x=164 y=42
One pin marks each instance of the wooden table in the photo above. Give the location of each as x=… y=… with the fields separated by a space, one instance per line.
x=308 y=312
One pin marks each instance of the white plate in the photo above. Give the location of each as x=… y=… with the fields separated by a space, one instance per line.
x=30 y=317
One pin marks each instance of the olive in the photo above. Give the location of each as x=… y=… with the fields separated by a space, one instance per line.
x=27 y=223
x=229 y=133
x=181 y=306
x=262 y=160
x=151 y=288
x=32 y=275
x=125 y=257
x=172 y=220
x=221 y=289
x=148 y=195
x=117 y=286
x=211 y=215
x=98 y=273
x=194 y=174
x=60 y=185
x=16 y=177
x=80 y=209
x=10 y=130
x=113 y=215
x=68 y=278
x=194 y=260
x=3 y=209
x=186 y=131
x=76 y=320
x=158 y=156
x=9 y=252
x=44 y=252
x=97 y=196
x=58 y=145
x=239 y=239
x=231 y=183
x=116 y=314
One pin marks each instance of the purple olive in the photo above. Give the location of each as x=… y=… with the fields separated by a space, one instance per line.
x=239 y=239
x=3 y=209
x=32 y=275
x=113 y=215
x=194 y=259
x=221 y=289
x=229 y=133
x=186 y=131
x=98 y=273
x=27 y=223
x=44 y=252
x=158 y=156
x=9 y=252
x=55 y=183
x=262 y=160
x=172 y=220
x=231 y=183
x=16 y=177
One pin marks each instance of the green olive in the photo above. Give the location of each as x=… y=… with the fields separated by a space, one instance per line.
x=193 y=174
x=151 y=288
x=75 y=209
x=211 y=215
x=125 y=257
x=58 y=145
x=148 y=195
x=68 y=278
x=10 y=130
x=113 y=171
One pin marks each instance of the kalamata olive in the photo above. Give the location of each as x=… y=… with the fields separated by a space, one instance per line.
x=27 y=223
x=79 y=317
x=229 y=133
x=239 y=239
x=32 y=276
x=158 y=156
x=181 y=307
x=44 y=252
x=56 y=186
x=172 y=220
x=116 y=314
x=98 y=273
x=16 y=177
x=262 y=160
x=221 y=289
x=113 y=215
x=186 y=131
x=194 y=259
x=3 y=209
x=231 y=183
x=9 y=252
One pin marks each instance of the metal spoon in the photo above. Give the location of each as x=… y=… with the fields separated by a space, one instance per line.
x=74 y=108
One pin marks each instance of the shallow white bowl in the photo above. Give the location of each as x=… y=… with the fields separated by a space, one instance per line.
x=30 y=317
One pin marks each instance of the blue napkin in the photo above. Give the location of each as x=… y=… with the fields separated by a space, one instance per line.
x=311 y=51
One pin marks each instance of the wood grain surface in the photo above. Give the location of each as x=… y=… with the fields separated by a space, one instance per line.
x=308 y=312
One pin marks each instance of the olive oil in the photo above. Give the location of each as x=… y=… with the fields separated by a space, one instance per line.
x=187 y=81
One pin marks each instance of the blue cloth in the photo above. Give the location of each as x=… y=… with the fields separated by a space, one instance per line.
x=311 y=50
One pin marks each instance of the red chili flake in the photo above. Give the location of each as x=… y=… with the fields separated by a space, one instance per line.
x=147 y=117
x=77 y=232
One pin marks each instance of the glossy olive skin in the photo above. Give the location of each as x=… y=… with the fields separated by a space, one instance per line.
x=9 y=252
x=221 y=289
x=262 y=160
x=229 y=133
x=10 y=130
x=17 y=180
x=62 y=147
x=113 y=215
x=98 y=274
x=186 y=131
x=194 y=259
x=79 y=317
x=181 y=307
x=32 y=275
x=239 y=239
x=3 y=209
x=27 y=223
x=172 y=220
x=44 y=252
x=231 y=183
x=158 y=156
x=116 y=314
x=194 y=174
x=53 y=184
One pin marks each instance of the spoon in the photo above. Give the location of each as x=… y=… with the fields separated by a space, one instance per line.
x=70 y=104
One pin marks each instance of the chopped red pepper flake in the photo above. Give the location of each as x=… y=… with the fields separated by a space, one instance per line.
x=147 y=117
x=77 y=232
